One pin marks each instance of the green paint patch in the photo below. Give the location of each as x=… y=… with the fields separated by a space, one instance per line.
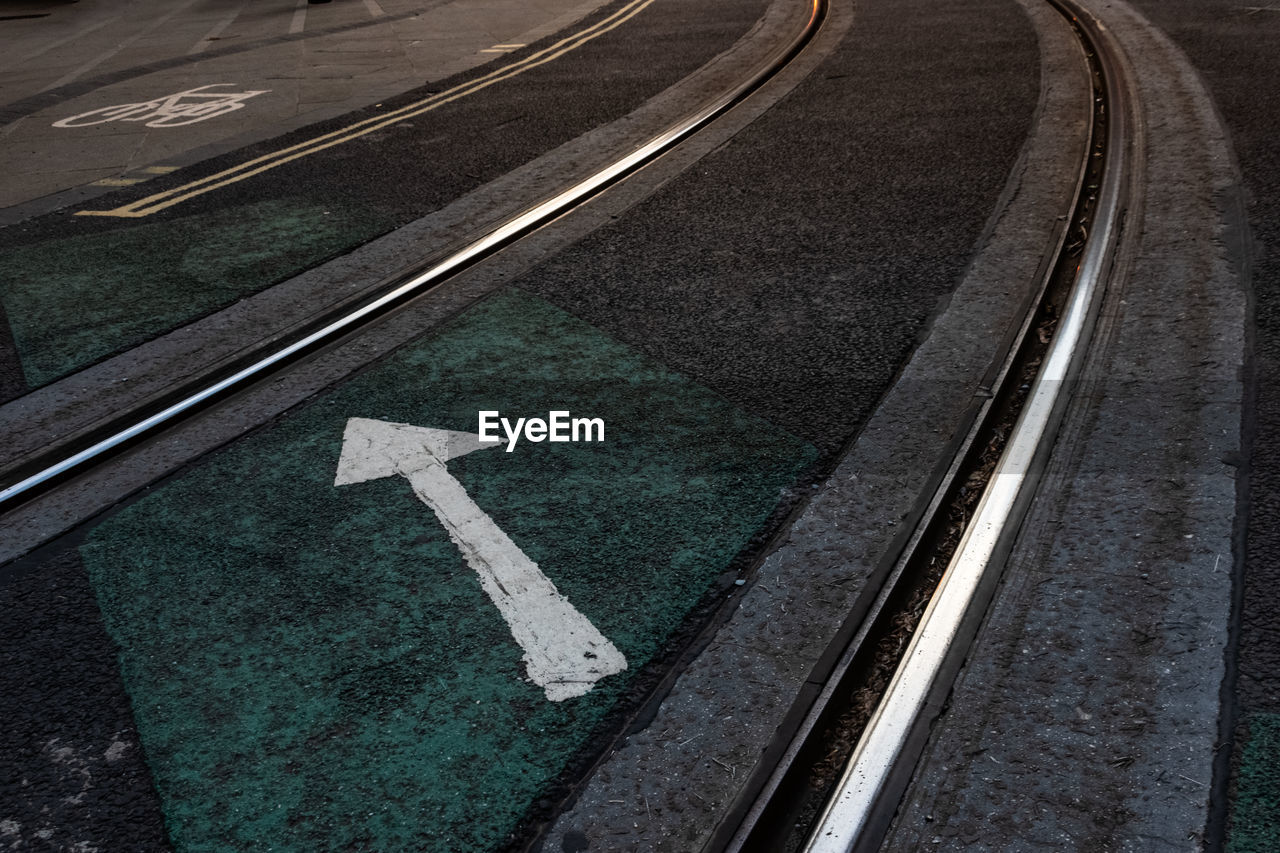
x=74 y=301
x=1255 y=809
x=315 y=667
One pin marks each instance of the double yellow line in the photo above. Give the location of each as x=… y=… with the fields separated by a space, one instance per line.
x=177 y=195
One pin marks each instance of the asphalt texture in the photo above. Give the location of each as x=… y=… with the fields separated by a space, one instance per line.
x=846 y=216
x=32 y=104
x=695 y=763
x=794 y=270
x=73 y=764
x=1233 y=47
x=305 y=64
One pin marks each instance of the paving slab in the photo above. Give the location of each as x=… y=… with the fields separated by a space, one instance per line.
x=379 y=55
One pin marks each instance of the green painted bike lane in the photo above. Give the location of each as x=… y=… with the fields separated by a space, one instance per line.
x=1255 y=804
x=74 y=300
x=315 y=666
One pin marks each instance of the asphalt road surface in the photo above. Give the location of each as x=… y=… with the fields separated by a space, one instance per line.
x=278 y=628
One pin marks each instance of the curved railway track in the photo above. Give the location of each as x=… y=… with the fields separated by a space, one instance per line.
x=1006 y=454
x=907 y=651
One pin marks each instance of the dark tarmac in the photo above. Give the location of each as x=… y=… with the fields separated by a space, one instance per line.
x=791 y=278
x=1233 y=47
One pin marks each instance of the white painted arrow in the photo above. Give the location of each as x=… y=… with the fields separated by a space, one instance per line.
x=563 y=652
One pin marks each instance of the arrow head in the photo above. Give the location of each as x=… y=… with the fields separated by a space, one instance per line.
x=373 y=449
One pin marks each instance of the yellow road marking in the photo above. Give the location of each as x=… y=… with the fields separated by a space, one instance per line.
x=118 y=182
x=160 y=170
x=177 y=195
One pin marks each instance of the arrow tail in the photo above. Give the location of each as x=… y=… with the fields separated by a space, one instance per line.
x=563 y=652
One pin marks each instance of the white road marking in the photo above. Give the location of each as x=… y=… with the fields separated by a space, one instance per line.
x=563 y=652
x=375 y=11
x=176 y=110
x=299 y=18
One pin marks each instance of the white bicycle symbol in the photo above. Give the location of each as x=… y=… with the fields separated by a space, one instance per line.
x=174 y=110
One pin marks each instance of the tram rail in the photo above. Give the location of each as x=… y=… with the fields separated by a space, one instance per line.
x=1006 y=449
x=1068 y=299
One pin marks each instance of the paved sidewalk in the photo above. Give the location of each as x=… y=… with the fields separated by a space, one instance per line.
x=272 y=68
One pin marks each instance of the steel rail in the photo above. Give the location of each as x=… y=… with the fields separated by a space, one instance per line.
x=504 y=234
x=867 y=794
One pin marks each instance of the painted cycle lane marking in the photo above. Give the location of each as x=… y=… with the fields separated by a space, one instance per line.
x=563 y=652
x=176 y=110
x=315 y=667
x=258 y=165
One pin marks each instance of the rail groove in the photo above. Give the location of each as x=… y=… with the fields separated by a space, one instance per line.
x=1033 y=387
